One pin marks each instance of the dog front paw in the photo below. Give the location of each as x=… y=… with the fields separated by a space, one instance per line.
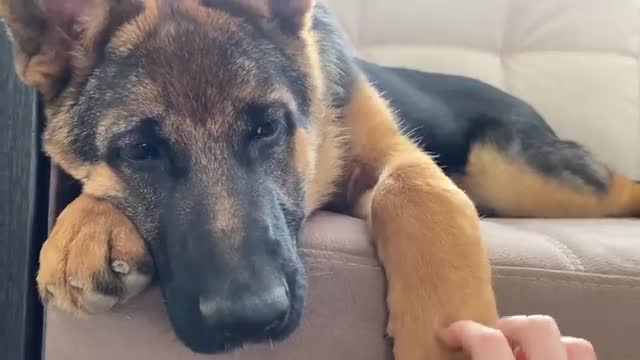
x=416 y=327
x=93 y=259
x=417 y=342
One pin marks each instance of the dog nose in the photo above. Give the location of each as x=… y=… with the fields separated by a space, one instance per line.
x=247 y=311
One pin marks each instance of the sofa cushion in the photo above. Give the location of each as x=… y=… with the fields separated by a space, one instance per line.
x=585 y=273
x=575 y=61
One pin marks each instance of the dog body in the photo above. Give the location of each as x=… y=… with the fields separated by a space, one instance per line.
x=212 y=129
x=499 y=149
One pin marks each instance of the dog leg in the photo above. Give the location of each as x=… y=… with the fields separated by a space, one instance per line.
x=426 y=232
x=94 y=258
x=511 y=186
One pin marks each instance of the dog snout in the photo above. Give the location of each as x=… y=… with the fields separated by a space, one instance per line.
x=247 y=309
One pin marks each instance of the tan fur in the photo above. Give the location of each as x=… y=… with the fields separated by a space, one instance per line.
x=41 y=71
x=103 y=183
x=325 y=141
x=44 y=64
x=89 y=234
x=131 y=34
x=509 y=188
x=294 y=12
x=430 y=256
x=426 y=231
x=634 y=204
x=227 y=222
x=425 y=227
x=64 y=159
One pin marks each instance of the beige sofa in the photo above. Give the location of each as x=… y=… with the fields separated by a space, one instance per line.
x=577 y=62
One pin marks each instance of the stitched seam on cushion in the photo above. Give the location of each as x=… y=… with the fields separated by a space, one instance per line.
x=571 y=258
x=609 y=277
x=569 y=282
x=507 y=54
x=315 y=260
x=582 y=283
x=312 y=255
x=597 y=52
x=346 y=263
x=432 y=46
x=343 y=262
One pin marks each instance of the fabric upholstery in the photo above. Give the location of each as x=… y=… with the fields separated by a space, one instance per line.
x=586 y=274
x=575 y=61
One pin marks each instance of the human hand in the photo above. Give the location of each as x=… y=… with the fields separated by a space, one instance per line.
x=532 y=337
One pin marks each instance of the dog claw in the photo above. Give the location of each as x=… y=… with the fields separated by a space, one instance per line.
x=75 y=283
x=91 y=263
x=121 y=267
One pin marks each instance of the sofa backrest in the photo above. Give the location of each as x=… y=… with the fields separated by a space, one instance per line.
x=576 y=61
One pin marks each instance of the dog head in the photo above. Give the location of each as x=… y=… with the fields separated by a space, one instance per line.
x=190 y=116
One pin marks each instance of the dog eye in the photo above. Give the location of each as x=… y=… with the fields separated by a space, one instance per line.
x=267 y=130
x=141 y=152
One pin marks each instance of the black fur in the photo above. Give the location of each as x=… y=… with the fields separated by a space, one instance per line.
x=202 y=133
x=447 y=114
x=220 y=208
x=339 y=66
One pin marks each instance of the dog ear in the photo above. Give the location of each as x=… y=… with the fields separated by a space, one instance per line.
x=53 y=37
x=293 y=16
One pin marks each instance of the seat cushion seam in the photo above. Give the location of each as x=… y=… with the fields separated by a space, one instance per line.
x=568 y=282
x=571 y=258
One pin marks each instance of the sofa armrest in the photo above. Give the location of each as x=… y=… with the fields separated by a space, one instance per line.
x=584 y=273
x=344 y=319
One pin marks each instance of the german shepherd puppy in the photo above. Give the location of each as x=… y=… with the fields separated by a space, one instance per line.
x=212 y=128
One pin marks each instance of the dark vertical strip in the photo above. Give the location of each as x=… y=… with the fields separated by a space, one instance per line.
x=23 y=213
